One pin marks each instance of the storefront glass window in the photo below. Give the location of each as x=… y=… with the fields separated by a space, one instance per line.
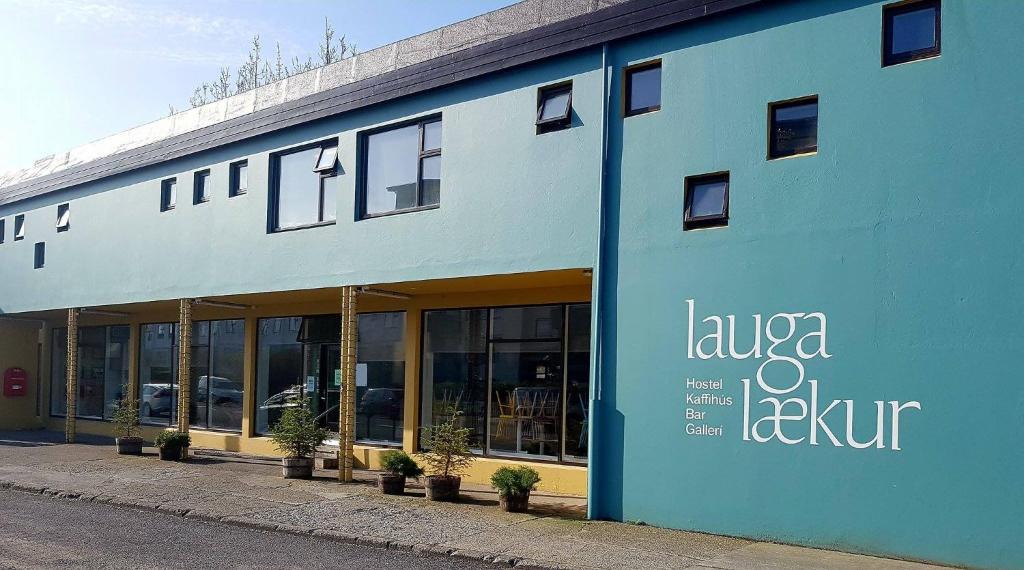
x=454 y=370
x=215 y=372
x=380 y=377
x=102 y=371
x=515 y=374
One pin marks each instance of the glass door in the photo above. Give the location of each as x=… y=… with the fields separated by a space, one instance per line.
x=329 y=386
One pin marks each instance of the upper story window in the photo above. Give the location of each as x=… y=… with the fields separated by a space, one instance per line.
x=643 y=88
x=793 y=127
x=19 y=227
x=304 y=186
x=910 y=31
x=3 y=231
x=554 y=108
x=201 y=187
x=238 y=178
x=63 y=217
x=706 y=201
x=402 y=168
x=168 y=194
x=40 y=256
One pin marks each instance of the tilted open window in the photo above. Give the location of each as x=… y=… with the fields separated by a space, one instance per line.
x=304 y=186
x=554 y=108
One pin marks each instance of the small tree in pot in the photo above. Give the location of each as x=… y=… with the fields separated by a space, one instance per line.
x=126 y=418
x=397 y=466
x=172 y=444
x=447 y=456
x=297 y=435
x=514 y=485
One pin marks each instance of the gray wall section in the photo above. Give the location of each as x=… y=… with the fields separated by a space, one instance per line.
x=511 y=201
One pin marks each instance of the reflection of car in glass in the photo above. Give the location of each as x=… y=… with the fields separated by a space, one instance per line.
x=289 y=398
x=221 y=390
x=156 y=400
x=381 y=401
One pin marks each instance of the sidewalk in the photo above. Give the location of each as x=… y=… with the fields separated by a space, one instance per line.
x=250 y=492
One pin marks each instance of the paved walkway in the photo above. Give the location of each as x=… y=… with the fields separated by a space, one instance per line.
x=249 y=492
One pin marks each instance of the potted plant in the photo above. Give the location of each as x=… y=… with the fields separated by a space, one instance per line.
x=397 y=466
x=172 y=445
x=447 y=456
x=126 y=418
x=514 y=485
x=297 y=435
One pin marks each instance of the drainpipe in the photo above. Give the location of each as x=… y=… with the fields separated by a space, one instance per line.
x=184 y=363
x=72 y=377
x=595 y=304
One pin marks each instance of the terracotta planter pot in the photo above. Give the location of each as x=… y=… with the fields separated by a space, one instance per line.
x=514 y=502
x=297 y=467
x=441 y=488
x=171 y=453
x=391 y=484
x=129 y=445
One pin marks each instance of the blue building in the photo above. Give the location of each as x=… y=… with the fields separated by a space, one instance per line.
x=741 y=267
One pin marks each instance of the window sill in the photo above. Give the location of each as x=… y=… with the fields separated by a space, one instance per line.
x=397 y=212
x=303 y=227
x=794 y=155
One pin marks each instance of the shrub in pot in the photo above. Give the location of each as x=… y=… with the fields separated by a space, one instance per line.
x=514 y=485
x=126 y=421
x=297 y=435
x=447 y=456
x=172 y=445
x=397 y=466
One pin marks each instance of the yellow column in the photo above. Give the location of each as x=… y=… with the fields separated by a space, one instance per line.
x=249 y=378
x=413 y=319
x=347 y=407
x=133 y=359
x=184 y=363
x=72 y=378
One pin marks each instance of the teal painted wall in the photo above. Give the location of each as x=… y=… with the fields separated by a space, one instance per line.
x=904 y=230
x=511 y=201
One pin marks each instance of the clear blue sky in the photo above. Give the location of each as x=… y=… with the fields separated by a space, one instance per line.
x=78 y=70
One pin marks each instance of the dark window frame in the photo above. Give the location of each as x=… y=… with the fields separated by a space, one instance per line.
x=172 y=421
x=273 y=196
x=39 y=255
x=484 y=451
x=19 y=227
x=202 y=176
x=234 y=189
x=363 y=149
x=62 y=208
x=775 y=105
x=627 y=84
x=889 y=12
x=709 y=221
x=3 y=230
x=53 y=332
x=166 y=202
x=555 y=123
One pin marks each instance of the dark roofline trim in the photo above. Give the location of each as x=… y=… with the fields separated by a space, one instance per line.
x=559 y=38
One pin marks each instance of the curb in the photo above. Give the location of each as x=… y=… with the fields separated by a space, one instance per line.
x=426 y=550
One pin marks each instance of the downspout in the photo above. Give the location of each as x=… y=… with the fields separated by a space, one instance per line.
x=597 y=290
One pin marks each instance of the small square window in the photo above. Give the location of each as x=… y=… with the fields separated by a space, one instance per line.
x=63 y=217
x=706 y=201
x=3 y=230
x=168 y=194
x=327 y=159
x=643 y=88
x=554 y=108
x=238 y=182
x=793 y=127
x=40 y=256
x=201 y=187
x=19 y=227
x=910 y=31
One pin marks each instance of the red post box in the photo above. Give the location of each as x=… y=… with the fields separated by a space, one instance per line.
x=15 y=382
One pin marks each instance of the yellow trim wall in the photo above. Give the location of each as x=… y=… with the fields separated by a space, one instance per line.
x=571 y=288
x=19 y=348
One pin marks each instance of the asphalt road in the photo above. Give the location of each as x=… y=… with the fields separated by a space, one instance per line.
x=44 y=532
